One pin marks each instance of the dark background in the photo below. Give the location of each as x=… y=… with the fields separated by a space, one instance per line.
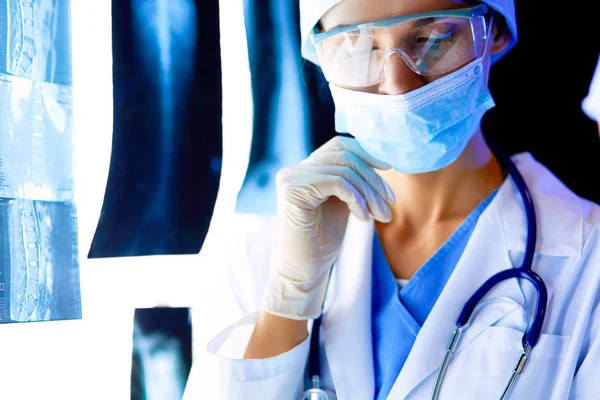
x=538 y=88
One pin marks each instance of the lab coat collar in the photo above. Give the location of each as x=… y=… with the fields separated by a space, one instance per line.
x=500 y=230
x=558 y=210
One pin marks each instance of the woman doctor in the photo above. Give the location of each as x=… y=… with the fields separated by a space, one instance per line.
x=385 y=235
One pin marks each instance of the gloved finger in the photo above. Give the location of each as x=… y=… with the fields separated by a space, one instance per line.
x=343 y=143
x=309 y=189
x=345 y=191
x=351 y=160
x=375 y=204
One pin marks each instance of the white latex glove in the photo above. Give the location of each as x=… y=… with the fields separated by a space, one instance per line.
x=314 y=199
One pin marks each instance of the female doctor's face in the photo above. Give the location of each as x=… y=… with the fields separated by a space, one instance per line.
x=397 y=78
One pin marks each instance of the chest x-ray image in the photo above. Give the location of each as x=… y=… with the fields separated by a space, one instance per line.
x=39 y=269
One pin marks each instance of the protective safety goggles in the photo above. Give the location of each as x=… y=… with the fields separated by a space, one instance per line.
x=431 y=44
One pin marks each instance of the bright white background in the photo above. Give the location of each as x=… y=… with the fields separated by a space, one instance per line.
x=90 y=359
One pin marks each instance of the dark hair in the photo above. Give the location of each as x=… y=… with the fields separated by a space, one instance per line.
x=501 y=25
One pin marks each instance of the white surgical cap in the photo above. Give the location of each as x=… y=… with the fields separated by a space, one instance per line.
x=311 y=12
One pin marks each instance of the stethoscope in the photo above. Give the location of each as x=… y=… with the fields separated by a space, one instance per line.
x=530 y=337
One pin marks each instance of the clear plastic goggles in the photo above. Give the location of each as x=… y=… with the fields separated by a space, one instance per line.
x=431 y=44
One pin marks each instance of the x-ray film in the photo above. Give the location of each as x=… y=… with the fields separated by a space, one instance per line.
x=162 y=353
x=35 y=40
x=36 y=160
x=39 y=269
x=39 y=261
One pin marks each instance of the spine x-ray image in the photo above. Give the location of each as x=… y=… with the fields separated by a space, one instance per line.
x=39 y=268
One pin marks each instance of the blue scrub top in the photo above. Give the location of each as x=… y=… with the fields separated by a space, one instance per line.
x=397 y=315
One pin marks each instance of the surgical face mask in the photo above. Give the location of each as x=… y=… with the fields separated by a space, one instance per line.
x=420 y=131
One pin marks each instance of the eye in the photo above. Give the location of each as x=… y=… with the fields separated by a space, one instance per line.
x=435 y=40
x=357 y=43
x=436 y=35
x=435 y=43
x=436 y=32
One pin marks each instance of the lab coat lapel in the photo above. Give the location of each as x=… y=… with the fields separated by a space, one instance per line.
x=347 y=316
x=485 y=254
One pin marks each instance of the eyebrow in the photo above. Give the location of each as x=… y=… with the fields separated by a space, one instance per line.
x=338 y=26
x=422 y=22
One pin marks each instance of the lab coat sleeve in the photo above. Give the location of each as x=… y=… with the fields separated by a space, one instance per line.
x=221 y=373
x=585 y=383
x=219 y=370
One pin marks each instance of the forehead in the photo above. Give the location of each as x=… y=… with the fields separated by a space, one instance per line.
x=351 y=12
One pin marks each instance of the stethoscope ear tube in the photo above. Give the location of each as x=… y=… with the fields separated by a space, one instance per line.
x=314 y=368
x=525 y=270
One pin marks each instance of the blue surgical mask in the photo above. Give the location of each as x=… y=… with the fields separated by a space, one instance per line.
x=420 y=131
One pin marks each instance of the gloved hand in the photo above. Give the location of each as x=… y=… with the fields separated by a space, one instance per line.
x=314 y=199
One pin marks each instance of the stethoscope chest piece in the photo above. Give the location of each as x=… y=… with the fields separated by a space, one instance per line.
x=316 y=393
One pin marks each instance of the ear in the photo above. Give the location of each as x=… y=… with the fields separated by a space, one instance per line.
x=500 y=35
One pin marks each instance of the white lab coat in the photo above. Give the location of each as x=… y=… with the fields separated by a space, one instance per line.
x=565 y=364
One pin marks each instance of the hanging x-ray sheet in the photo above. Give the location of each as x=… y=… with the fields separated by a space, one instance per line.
x=39 y=267
x=162 y=353
x=166 y=155
x=293 y=109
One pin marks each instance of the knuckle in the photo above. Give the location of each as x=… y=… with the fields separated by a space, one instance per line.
x=339 y=143
x=283 y=177
x=314 y=157
x=352 y=161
